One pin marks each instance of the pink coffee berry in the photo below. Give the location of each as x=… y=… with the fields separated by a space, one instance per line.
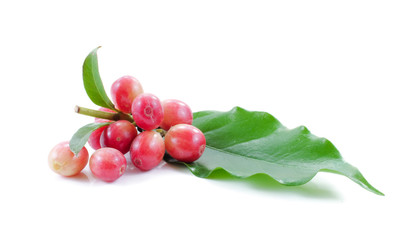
x=185 y=142
x=107 y=164
x=175 y=112
x=94 y=139
x=147 y=111
x=147 y=150
x=118 y=135
x=123 y=91
x=63 y=161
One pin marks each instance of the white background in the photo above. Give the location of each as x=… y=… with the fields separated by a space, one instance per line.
x=333 y=66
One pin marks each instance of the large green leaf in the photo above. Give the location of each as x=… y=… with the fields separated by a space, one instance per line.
x=92 y=81
x=245 y=143
x=80 y=138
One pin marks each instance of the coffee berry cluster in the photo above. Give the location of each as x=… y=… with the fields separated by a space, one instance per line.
x=157 y=127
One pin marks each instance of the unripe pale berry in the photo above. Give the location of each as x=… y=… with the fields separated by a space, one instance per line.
x=185 y=142
x=118 y=135
x=63 y=161
x=123 y=91
x=147 y=150
x=175 y=112
x=107 y=164
x=147 y=111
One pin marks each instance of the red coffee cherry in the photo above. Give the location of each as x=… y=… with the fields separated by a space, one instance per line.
x=175 y=112
x=185 y=142
x=123 y=91
x=107 y=164
x=119 y=135
x=94 y=139
x=147 y=111
x=147 y=150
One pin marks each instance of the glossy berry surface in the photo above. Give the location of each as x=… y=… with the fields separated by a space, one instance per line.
x=147 y=111
x=63 y=161
x=107 y=164
x=123 y=91
x=185 y=142
x=175 y=112
x=118 y=135
x=147 y=150
x=94 y=139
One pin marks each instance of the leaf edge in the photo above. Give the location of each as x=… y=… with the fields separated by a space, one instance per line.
x=91 y=73
x=80 y=137
x=359 y=179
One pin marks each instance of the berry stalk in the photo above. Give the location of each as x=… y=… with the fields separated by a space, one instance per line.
x=161 y=131
x=104 y=115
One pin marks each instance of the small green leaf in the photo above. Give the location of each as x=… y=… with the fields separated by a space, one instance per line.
x=92 y=81
x=80 y=138
x=245 y=143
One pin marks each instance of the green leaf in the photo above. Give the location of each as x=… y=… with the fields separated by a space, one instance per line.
x=245 y=143
x=92 y=81
x=80 y=138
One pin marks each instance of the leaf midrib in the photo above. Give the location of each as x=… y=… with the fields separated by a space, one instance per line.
x=261 y=160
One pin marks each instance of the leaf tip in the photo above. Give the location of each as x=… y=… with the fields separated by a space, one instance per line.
x=96 y=48
x=73 y=149
x=374 y=190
